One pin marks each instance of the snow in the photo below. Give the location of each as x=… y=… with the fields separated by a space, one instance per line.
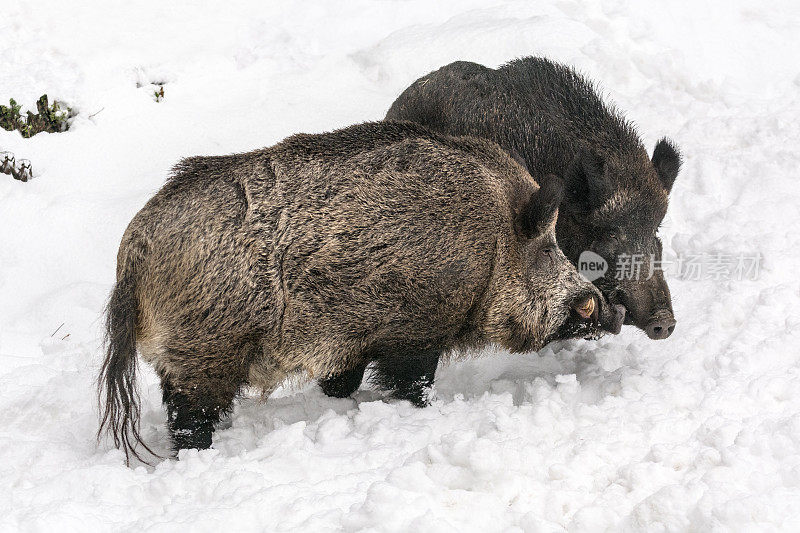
x=698 y=432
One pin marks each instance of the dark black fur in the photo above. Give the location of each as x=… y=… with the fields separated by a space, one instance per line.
x=407 y=372
x=554 y=119
x=343 y=384
x=190 y=424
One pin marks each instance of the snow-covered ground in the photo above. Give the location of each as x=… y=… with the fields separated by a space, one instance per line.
x=698 y=432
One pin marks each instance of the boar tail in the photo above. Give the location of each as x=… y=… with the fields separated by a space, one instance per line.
x=118 y=395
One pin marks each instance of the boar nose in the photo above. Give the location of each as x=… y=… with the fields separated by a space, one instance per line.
x=661 y=325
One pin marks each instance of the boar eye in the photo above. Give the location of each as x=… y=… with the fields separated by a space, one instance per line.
x=548 y=254
x=610 y=238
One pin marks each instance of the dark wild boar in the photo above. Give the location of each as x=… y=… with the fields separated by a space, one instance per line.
x=380 y=242
x=554 y=119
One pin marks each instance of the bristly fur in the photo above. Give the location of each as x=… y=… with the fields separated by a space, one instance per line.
x=585 y=184
x=381 y=242
x=118 y=395
x=556 y=121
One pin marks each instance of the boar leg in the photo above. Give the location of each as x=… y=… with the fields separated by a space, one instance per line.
x=194 y=405
x=343 y=384
x=408 y=373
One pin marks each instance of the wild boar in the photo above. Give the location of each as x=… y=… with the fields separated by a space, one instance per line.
x=380 y=242
x=556 y=122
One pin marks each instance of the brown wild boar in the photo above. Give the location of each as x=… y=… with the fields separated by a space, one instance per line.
x=379 y=242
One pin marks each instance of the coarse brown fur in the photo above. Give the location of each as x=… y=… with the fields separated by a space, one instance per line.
x=381 y=241
x=555 y=121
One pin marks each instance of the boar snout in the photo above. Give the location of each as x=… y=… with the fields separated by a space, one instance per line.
x=597 y=311
x=610 y=317
x=648 y=305
x=661 y=325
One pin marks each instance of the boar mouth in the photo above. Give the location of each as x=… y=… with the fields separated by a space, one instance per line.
x=585 y=314
x=587 y=309
x=582 y=319
x=591 y=316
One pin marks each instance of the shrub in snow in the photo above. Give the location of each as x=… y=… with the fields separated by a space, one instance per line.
x=50 y=118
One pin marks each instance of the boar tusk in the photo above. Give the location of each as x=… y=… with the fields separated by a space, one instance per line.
x=586 y=309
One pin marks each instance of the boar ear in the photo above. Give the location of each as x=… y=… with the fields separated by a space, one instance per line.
x=542 y=208
x=667 y=160
x=586 y=186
